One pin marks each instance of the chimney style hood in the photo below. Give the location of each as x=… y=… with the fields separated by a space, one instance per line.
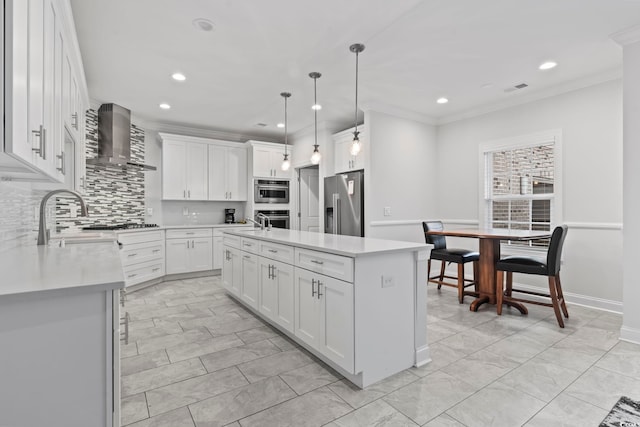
x=114 y=139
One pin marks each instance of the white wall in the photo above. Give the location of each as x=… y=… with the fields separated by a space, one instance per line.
x=631 y=319
x=400 y=173
x=591 y=124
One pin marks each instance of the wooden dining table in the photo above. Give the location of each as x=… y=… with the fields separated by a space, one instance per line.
x=489 y=248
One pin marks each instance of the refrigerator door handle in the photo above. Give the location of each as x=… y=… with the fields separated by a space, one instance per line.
x=336 y=212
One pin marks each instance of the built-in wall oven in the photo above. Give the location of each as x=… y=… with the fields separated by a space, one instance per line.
x=271 y=191
x=278 y=218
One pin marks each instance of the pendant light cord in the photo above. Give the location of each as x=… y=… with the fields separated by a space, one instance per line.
x=315 y=111
x=356 y=113
x=285 y=126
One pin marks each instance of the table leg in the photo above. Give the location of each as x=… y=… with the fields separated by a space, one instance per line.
x=489 y=256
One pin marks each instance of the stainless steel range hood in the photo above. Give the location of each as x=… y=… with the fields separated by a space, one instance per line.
x=114 y=139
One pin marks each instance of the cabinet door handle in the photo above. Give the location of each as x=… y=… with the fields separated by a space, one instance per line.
x=187 y=244
x=62 y=167
x=155 y=251
x=193 y=244
x=125 y=323
x=41 y=147
x=190 y=233
x=319 y=293
x=131 y=275
x=273 y=251
x=273 y=271
x=313 y=287
x=156 y=269
x=74 y=123
x=189 y=193
x=230 y=196
x=315 y=261
x=184 y=194
x=132 y=255
x=269 y=272
x=247 y=257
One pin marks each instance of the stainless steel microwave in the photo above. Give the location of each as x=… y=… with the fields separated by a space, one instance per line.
x=271 y=191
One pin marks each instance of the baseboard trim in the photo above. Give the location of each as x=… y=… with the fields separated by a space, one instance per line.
x=631 y=335
x=170 y=277
x=423 y=356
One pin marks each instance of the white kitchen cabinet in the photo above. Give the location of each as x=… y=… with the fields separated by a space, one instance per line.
x=324 y=316
x=267 y=160
x=39 y=37
x=277 y=292
x=184 y=170
x=218 y=243
x=232 y=271
x=344 y=161
x=227 y=173
x=250 y=279
x=189 y=250
x=142 y=255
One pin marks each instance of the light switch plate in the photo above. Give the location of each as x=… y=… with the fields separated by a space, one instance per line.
x=185 y=211
x=387 y=211
x=387 y=282
x=149 y=211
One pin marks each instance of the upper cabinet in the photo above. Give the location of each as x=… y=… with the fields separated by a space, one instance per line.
x=227 y=173
x=203 y=169
x=267 y=160
x=344 y=161
x=40 y=57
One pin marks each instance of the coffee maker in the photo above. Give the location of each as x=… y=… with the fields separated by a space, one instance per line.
x=229 y=216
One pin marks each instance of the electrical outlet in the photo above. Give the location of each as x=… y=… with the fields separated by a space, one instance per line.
x=150 y=211
x=387 y=282
x=185 y=211
x=387 y=211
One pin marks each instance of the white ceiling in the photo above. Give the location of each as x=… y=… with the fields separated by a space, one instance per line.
x=416 y=51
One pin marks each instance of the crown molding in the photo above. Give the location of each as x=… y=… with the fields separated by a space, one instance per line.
x=560 y=89
x=627 y=36
x=396 y=111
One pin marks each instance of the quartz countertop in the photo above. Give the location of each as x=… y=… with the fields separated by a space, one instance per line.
x=31 y=269
x=176 y=227
x=336 y=244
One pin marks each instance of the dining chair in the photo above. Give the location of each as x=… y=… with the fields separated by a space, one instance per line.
x=440 y=252
x=528 y=265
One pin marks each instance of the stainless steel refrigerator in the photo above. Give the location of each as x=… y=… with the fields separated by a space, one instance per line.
x=344 y=204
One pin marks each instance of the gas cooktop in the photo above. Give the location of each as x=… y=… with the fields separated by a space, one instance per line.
x=127 y=226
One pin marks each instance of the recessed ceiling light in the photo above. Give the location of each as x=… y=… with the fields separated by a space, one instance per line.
x=548 y=65
x=179 y=77
x=442 y=100
x=165 y=106
x=280 y=125
x=316 y=107
x=486 y=86
x=203 y=24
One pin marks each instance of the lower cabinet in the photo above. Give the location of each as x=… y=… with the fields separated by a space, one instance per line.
x=250 y=278
x=232 y=271
x=276 y=292
x=189 y=255
x=324 y=316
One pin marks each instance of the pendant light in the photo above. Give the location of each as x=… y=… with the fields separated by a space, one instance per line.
x=316 y=156
x=286 y=163
x=356 y=145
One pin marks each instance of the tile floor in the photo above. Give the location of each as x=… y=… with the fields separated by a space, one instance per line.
x=197 y=358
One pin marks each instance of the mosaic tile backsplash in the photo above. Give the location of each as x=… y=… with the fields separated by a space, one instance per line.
x=19 y=202
x=115 y=196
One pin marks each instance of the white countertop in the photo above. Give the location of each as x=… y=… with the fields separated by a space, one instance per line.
x=175 y=227
x=342 y=245
x=30 y=269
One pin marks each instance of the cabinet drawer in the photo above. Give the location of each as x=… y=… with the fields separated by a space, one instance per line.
x=233 y=241
x=277 y=252
x=140 y=236
x=249 y=245
x=142 y=252
x=142 y=272
x=340 y=267
x=189 y=233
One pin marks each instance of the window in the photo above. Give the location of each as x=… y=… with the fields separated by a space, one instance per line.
x=520 y=179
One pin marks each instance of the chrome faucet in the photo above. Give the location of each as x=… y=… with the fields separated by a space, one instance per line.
x=261 y=224
x=43 y=233
x=262 y=217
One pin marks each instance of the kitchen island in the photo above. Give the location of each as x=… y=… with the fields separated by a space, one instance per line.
x=358 y=304
x=59 y=335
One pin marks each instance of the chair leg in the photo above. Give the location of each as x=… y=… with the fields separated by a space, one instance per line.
x=428 y=270
x=442 y=267
x=554 y=300
x=499 y=291
x=461 y=283
x=507 y=292
x=563 y=306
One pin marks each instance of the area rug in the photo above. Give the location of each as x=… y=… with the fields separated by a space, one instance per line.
x=625 y=413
